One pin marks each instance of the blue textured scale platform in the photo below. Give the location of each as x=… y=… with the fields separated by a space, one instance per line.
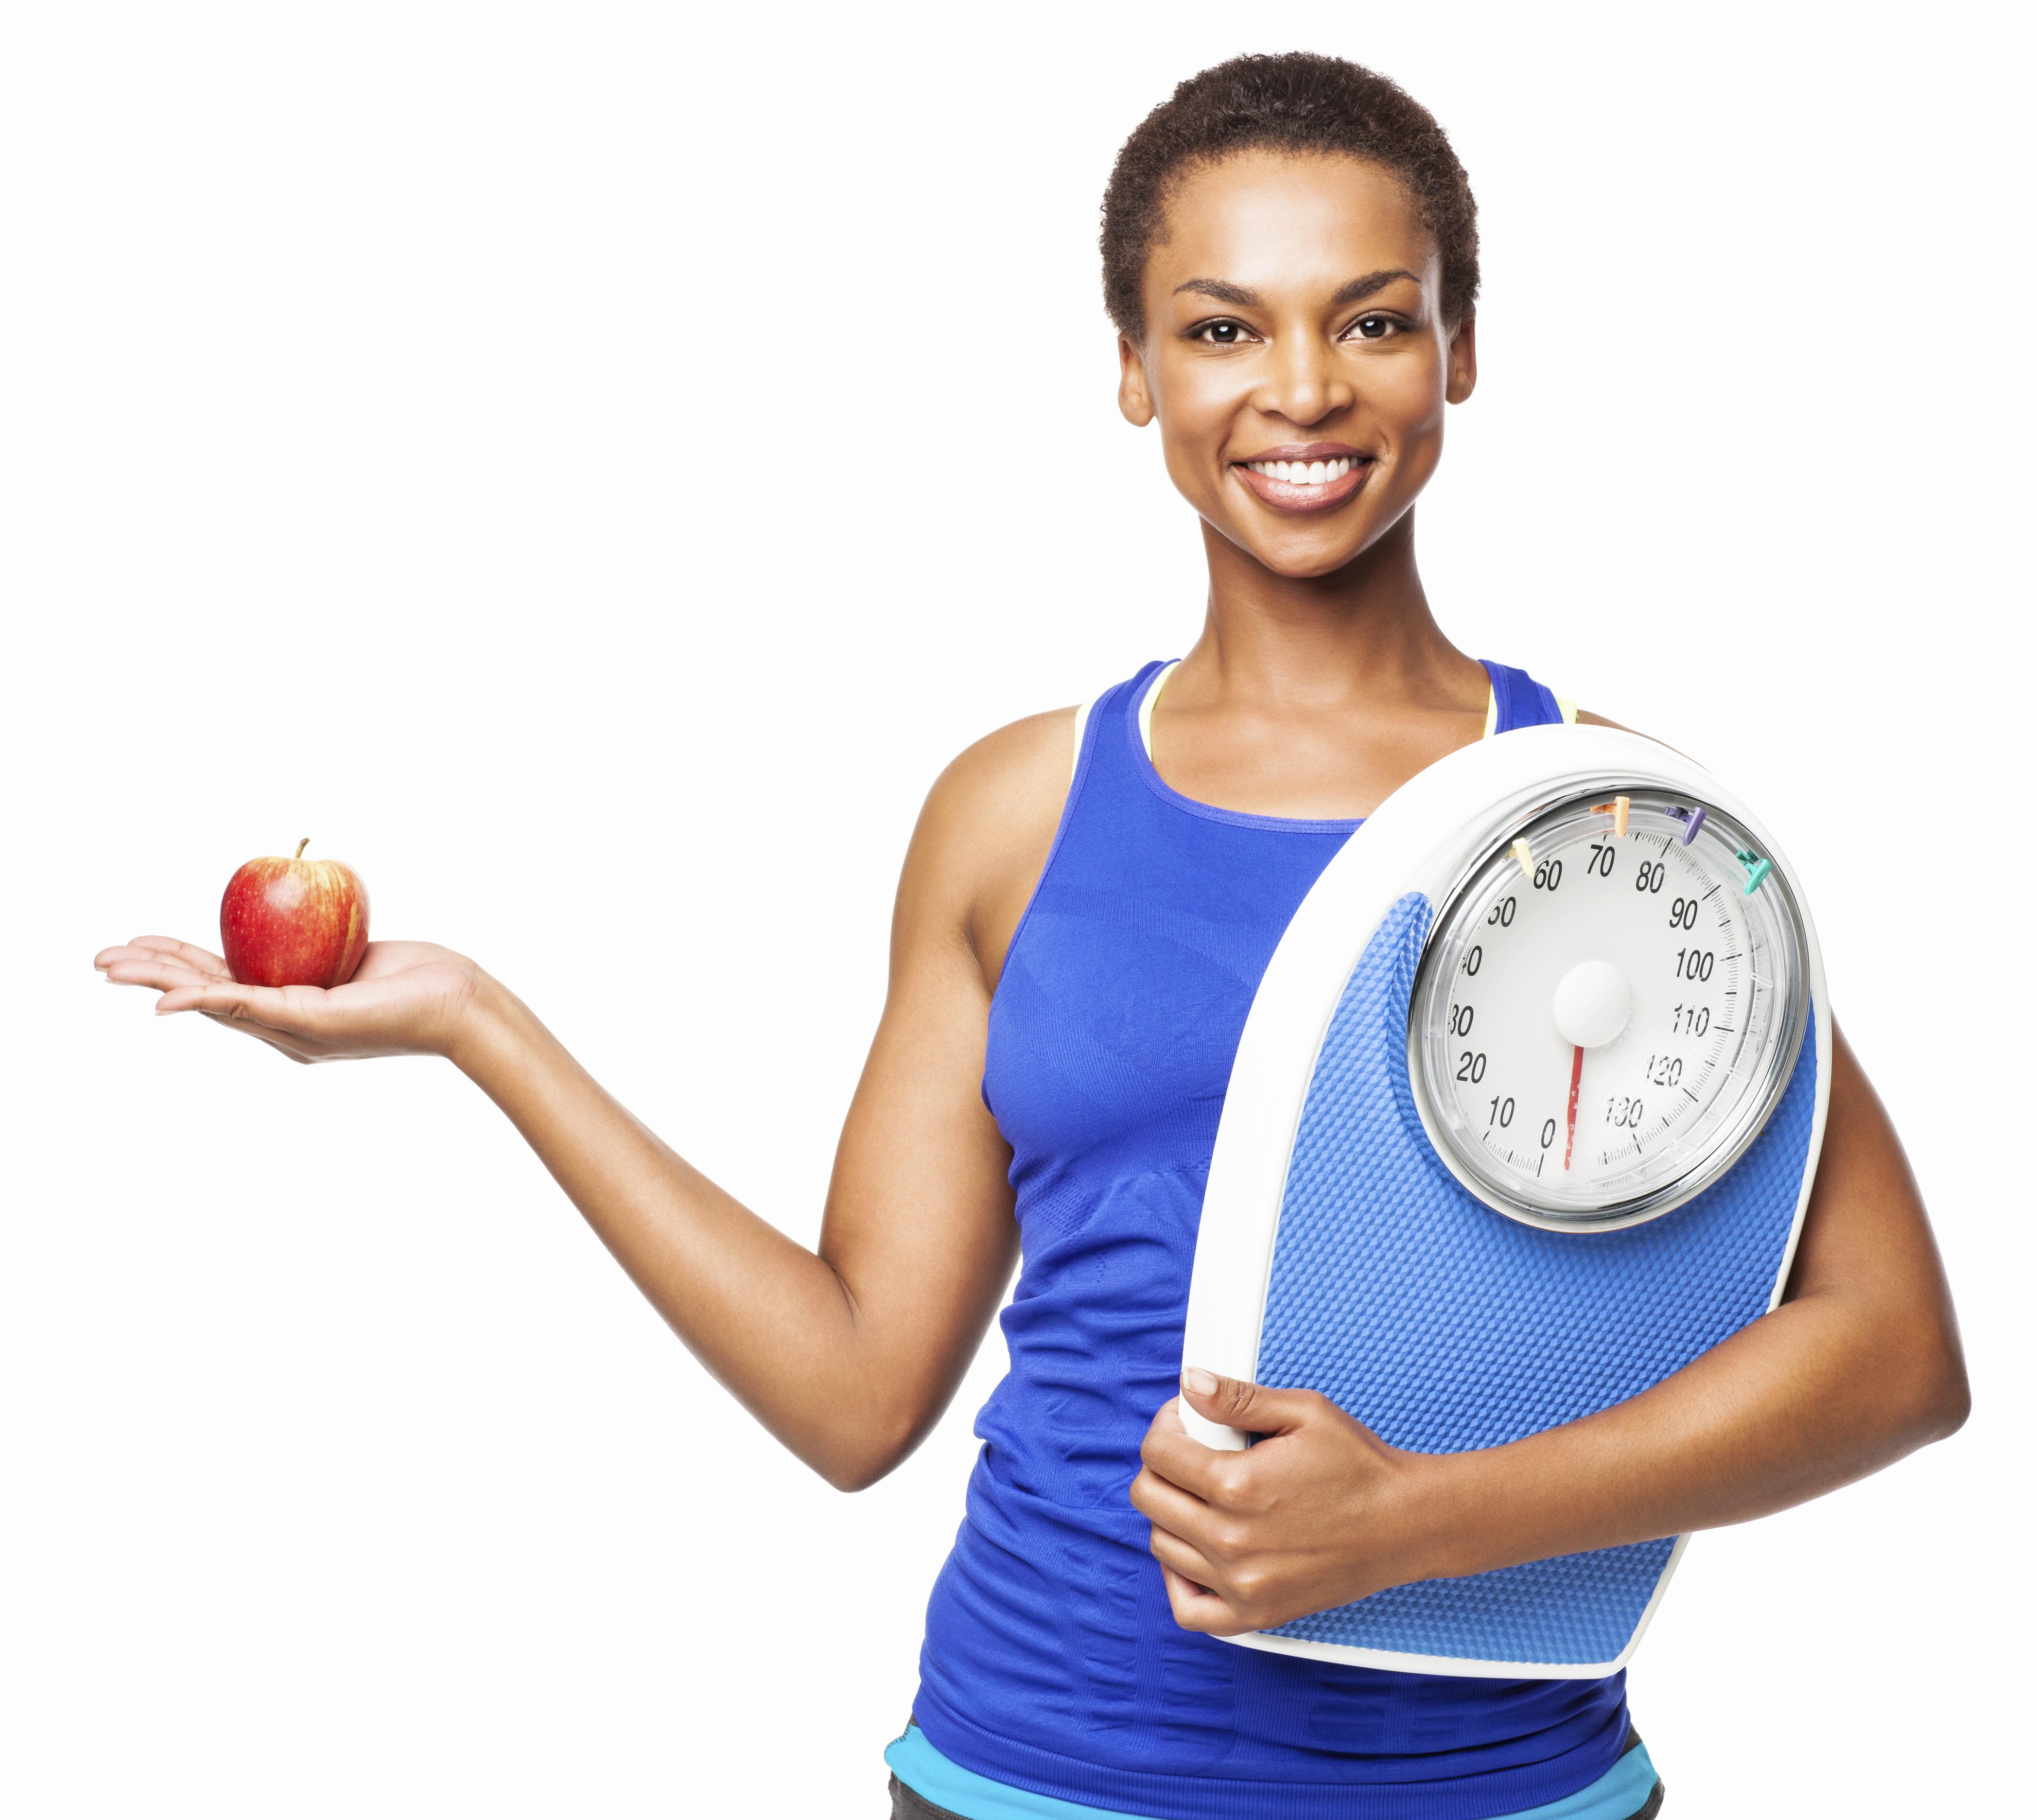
x=1443 y=1326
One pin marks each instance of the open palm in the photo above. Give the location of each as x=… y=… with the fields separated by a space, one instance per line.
x=405 y=998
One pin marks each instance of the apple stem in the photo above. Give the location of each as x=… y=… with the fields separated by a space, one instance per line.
x=302 y=844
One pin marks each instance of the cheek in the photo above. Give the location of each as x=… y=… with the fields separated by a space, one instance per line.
x=1409 y=397
x=1198 y=402
x=1197 y=409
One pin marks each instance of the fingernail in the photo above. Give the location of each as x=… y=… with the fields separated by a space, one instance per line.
x=1202 y=1383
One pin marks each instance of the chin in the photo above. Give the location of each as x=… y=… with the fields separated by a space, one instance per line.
x=1314 y=568
x=1295 y=559
x=1307 y=551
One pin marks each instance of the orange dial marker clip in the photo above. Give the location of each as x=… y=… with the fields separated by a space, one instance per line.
x=1618 y=809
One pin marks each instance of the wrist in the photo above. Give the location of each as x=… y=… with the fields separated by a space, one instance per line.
x=1455 y=1504
x=482 y=1026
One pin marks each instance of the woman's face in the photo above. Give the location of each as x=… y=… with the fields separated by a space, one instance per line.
x=1292 y=316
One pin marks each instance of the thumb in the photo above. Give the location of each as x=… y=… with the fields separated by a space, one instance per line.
x=1237 y=1404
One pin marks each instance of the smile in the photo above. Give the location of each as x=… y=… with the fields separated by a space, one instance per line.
x=1303 y=473
x=1305 y=481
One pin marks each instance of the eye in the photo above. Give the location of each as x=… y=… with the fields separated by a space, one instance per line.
x=1372 y=328
x=1222 y=333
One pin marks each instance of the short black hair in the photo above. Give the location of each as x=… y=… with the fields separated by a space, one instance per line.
x=1294 y=102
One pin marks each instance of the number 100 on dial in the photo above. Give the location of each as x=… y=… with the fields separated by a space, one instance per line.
x=1608 y=1007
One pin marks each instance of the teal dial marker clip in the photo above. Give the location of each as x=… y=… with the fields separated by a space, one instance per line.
x=1757 y=869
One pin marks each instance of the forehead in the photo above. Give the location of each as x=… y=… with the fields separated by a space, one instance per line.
x=1274 y=220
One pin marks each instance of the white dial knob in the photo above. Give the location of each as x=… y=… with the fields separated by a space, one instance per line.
x=1593 y=1003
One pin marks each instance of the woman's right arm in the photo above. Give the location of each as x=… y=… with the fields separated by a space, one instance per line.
x=848 y=1354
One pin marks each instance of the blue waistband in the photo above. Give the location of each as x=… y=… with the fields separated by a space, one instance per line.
x=1618 y=1794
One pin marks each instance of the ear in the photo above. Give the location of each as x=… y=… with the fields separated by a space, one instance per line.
x=1463 y=361
x=1134 y=397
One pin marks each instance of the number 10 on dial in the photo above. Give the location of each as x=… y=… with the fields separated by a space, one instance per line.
x=1604 y=1020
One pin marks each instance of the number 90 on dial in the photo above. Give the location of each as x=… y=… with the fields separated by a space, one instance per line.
x=1603 y=1020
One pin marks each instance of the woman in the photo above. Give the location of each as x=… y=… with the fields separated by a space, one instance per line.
x=1290 y=251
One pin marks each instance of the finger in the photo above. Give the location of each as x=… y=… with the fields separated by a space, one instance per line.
x=1177 y=1456
x=275 y=1040
x=201 y=960
x=1167 y=1507
x=1254 y=1408
x=291 y=1010
x=1195 y=1607
x=161 y=951
x=1185 y=1559
x=151 y=970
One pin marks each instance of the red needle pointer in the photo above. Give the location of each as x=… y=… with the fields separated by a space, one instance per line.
x=1571 y=1122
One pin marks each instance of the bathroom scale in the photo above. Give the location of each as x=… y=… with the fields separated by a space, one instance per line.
x=1523 y=1119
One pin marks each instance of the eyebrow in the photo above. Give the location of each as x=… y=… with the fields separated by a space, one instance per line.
x=1223 y=291
x=1358 y=289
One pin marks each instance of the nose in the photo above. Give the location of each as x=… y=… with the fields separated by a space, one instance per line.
x=1301 y=382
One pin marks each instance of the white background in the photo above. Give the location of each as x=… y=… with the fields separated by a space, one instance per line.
x=590 y=467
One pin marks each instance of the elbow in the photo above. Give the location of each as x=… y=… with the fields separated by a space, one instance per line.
x=856 y=1475
x=1941 y=1398
x=856 y=1463
x=1953 y=1401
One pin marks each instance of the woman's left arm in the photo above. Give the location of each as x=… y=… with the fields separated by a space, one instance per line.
x=1859 y=1365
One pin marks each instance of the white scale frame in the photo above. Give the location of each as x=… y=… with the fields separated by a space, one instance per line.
x=1432 y=833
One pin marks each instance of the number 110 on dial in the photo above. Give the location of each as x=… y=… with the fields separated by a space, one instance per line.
x=1607 y=1009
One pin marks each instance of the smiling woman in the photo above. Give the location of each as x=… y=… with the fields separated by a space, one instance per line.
x=1297 y=292
x=1290 y=260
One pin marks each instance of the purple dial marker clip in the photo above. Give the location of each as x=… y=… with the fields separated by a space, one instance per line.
x=1692 y=819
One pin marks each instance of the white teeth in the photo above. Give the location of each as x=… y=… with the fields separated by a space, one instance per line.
x=1303 y=473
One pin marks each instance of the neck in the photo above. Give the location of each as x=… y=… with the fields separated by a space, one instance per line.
x=1363 y=633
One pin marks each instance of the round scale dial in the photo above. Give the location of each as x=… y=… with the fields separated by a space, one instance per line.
x=1608 y=1008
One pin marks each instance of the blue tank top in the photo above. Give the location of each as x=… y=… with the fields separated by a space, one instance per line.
x=1052 y=1662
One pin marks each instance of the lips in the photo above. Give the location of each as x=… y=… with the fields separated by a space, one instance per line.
x=1305 y=477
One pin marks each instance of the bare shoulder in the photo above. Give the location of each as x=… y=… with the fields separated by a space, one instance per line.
x=1022 y=770
x=984 y=833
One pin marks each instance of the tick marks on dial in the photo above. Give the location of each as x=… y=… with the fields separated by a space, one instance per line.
x=1544 y=932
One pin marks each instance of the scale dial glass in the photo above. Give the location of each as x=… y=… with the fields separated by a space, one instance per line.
x=1597 y=1035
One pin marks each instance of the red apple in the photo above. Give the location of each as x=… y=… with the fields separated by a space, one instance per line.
x=294 y=921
